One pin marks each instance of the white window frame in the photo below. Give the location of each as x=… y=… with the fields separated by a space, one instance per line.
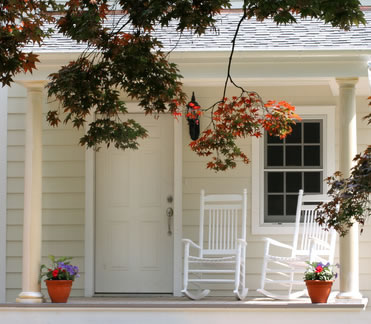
x=327 y=114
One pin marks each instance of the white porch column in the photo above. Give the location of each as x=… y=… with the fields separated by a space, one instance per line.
x=32 y=196
x=349 y=245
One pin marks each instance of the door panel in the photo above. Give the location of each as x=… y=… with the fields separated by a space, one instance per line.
x=134 y=253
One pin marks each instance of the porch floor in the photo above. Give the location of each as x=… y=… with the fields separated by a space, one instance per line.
x=170 y=302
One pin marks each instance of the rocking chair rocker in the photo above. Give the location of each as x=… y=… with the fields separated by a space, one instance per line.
x=310 y=243
x=221 y=248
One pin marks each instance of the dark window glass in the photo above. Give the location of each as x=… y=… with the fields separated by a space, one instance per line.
x=291 y=203
x=312 y=182
x=312 y=133
x=275 y=204
x=274 y=140
x=284 y=175
x=312 y=155
x=275 y=156
x=295 y=136
x=293 y=155
x=275 y=182
x=293 y=181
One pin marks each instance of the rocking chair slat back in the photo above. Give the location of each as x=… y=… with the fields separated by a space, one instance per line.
x=222 y=223
x=311 y=242
x=312 y=230
x=221 y=248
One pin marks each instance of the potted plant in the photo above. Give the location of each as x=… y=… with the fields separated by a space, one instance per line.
x=319 y=278
x=59 y=277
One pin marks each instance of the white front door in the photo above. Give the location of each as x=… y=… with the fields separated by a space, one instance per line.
x=134 y=188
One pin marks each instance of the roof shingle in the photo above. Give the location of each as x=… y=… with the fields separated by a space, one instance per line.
x=253 y=35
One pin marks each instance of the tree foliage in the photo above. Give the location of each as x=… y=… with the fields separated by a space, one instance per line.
x=350 y=196
x=21 y=23
x=123 y=56
x=240 y=117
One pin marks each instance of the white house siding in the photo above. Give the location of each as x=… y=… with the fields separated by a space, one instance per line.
x=196 y=177
x=63 y=192
x=63 y=185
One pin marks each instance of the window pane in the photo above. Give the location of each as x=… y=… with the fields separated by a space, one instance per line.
x=312 y=133
x=275 y=181
x=293 y=155
x=291 y=203
x=275 y=156
x=312 y=182
x=293 y=181
x=275 y=205
x=295 y=136
x=273 y=139
x=312 y=155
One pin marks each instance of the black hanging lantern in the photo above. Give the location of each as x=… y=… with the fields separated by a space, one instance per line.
x=193 y=118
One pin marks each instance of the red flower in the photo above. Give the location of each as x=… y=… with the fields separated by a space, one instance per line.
x=55 y=273
x=319 y=269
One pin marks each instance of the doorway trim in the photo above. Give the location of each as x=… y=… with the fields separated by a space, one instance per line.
x=89 y=290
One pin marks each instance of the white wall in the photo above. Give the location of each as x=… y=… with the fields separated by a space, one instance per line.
x=63 y=193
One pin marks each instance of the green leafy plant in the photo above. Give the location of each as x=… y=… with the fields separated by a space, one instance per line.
x=350 y=197
x=319 y=271
x=60 y=269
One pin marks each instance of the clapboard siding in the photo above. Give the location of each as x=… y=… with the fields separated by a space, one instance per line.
x=59 y=153
x=62 y=216
x=58 y=248
x=15 y=153
x=16 y=137
x=58 y=232
x=63 y=193
x=14 y=264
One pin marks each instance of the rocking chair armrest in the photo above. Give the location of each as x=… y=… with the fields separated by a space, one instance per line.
x=268 y=240
x=241 y=242
x=314 y=240
x=191 y=243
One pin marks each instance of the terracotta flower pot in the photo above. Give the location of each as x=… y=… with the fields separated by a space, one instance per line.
x=59 y=290
x=319 y=290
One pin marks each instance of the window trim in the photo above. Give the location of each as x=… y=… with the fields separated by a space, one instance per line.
x=327 y=114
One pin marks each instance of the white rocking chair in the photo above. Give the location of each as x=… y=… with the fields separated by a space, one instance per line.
x=221 y=251
x=310 y=243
